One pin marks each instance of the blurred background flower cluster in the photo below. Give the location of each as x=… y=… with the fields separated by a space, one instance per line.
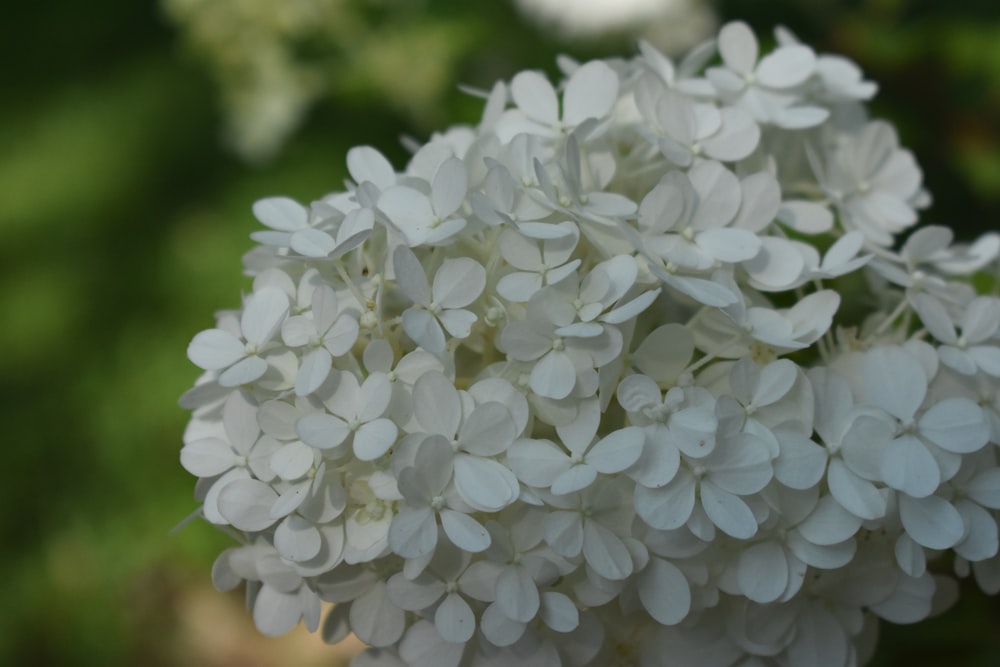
x=135 y=136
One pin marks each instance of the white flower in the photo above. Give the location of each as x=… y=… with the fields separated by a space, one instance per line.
x=432 y=218
x=330 y=332
x=240 y=357
x=457 y=283
x=354 y=418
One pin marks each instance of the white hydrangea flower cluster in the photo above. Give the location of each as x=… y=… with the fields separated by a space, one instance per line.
x=633 y=372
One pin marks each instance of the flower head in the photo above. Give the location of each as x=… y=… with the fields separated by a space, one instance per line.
x=578 y=383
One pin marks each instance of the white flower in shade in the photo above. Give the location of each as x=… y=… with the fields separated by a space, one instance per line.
x=476 y=436
x=739 y=465
x=970 y=351
x=450 y=580
x=540 y=263
x=424 y=487
x=280 y=600
x=240 y=358
x=758 y=86
x=457 y=284
x=423 y=219
x=875 y=184
x=542 y=463
x=685 y=219
x=590 y=94
x=362 y=606
x=569 y=328
x=682 y=421
x=588 y=523
x=239 y=452
x=354 y=418
x=919 y=451
x=686 y=130
x=329 y=333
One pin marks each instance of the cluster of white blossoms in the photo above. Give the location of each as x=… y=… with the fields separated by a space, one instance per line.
x=634 y=372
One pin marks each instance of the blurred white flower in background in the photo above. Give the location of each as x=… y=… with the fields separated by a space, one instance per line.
x=672 y=25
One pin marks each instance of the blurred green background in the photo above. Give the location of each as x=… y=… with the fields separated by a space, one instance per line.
x=126 y=179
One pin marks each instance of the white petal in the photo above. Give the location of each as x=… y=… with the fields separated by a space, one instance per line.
x=829 y=523
x=458 y=282
x=800 y=117
x=454 y=619
x=932 y=522
x=290 y=499
x=857 y=496
x=605 y=552
x=246 y=504
x=215 y=349
x=410 y=211
x=981 y=540
x=534 y=95
x=664 y=592
x=564 y=533
x=297 y=539
x=263 y=315
x=436 y=404
x=777 y=266
x=984 y=488
x=367 y=164
x=464 y=532
x=413 y=532
x=729 y=245
x=281 y=213
x=410 y=277
x=375 y=619
x=590 y=93
x=516 y=594
x=737 y=138
x=801 y=463
x=414 y=594
x=374 y=439
x=537 y=462
x=313 y=372
x=312 y=243
x=244 y=371
x=805 y=216
x=616 y=451
x=895 y=381
x=458 y=323
x=322 y=431
x=762 y=572
x=667 y=507
x=787 y=66
x=519 y=286
x=498 y=628
x=575 y=478
x=727 y=511
x=448 y=190
x=738 y=46
x=275 y=613
x=485 y=484
x=956 y=425
x=558 y=612
x=423 y=329
x=553 y=376
x=240 y=421
x=292 y=461
x=908 y=466
x=207 y=457
x=488 y=431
